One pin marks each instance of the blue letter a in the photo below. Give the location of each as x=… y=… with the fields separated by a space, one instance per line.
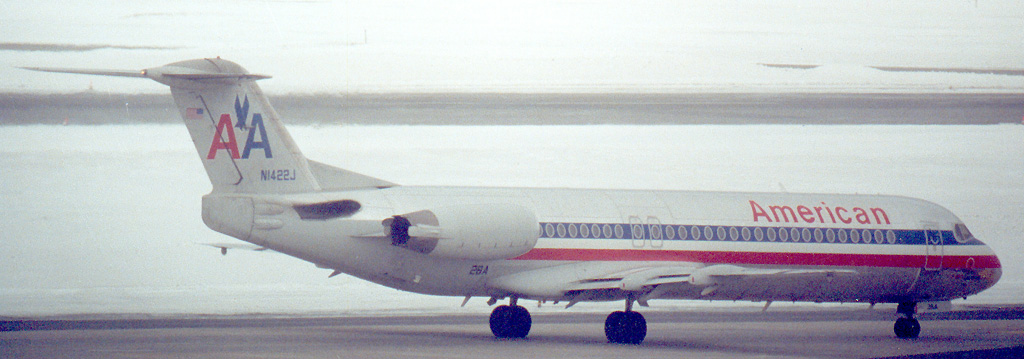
x=250 y=143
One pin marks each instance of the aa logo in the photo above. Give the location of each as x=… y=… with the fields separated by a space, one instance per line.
x=225 y=139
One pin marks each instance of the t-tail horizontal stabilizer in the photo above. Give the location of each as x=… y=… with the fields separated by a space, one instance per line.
x=241 y=140
x=172 y=74
x=118 y=73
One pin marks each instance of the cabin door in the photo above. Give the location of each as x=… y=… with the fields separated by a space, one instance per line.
x=933 y=247
x=649 y=234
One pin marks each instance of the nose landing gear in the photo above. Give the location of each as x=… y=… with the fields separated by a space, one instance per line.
x=625 y=327
x=906 y=326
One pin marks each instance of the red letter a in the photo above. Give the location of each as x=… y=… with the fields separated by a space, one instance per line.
x=218 y=140
x=758 y=211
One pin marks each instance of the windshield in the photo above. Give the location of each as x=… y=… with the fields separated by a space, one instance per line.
x=962 y=234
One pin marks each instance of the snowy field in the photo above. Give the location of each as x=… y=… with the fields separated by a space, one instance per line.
x=524 y=46
x=106 y=219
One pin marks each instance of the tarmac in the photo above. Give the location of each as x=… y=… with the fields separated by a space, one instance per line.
x=545 y=109
x=989 y=332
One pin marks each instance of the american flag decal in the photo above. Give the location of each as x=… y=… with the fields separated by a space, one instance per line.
x=193 y=113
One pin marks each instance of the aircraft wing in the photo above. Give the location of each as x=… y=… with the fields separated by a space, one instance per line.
x=560 y=281
x=634 y=279
x=640 y=278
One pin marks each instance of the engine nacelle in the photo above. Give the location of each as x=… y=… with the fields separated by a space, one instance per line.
x=478 y=231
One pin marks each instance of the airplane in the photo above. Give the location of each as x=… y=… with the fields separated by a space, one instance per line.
x=561 y=245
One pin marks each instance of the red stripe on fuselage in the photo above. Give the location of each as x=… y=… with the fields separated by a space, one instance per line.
x=768 y=258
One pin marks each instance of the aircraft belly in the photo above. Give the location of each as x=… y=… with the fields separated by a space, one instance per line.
x=950 y=283
x=848 y=284
x=867 y=285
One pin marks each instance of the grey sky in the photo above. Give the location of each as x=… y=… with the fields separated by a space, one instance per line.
x=374 y=46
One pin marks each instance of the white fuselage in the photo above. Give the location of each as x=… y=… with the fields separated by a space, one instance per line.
x=883 y=248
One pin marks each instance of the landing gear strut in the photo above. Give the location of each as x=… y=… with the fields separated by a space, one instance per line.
x=906 y=326
x=625 y=327
x=510 y=321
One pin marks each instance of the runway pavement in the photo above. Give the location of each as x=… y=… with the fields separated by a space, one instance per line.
x=784 y=334
x=547 y=109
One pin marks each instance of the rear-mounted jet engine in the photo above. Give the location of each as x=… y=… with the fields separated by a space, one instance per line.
x=479 y=232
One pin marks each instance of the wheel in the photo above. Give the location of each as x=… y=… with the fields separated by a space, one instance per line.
x=499 y=321
x=521 y=322
x=613 y=327
x=636 y=326
x=906 y=328
x=510 y=322
x=625 y=327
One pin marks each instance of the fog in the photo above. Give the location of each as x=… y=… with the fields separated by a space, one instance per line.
x=526 y=46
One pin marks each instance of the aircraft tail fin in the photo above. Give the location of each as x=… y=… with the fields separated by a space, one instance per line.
x=241 y=140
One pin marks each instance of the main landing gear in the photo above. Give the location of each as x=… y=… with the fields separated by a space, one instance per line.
x=906 y=326
x=510 y=321
x=625 y=327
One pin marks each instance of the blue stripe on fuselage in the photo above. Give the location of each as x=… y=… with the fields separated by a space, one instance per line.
x=675 y=232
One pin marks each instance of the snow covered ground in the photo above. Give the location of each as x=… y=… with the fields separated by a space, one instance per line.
x=524 y=46
x=106 y=219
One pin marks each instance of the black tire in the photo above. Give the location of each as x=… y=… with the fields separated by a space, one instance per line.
x=499 y=321
x=613 y=327
x=521 y=322
x=510 y=322
x=636 y=327
x=625 y=328
x=906 y=328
